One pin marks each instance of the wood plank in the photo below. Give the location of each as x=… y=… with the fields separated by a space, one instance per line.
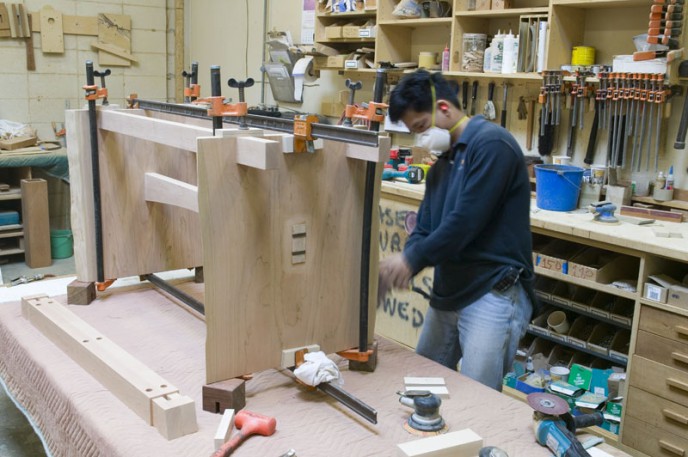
x=224 y=429
x=71 y=25
x=159 y=131
x=36 y=222
x=114 y=50
x=174 y=415
x=178 y=50
x=30 y=57
x=379 y=154
x=258 y=153
x=127 y=378
x=24 y=19
x=15 y=27
x=81 y=182
x=52 y=39
x=114 y=30
x=5 y=27
x=294 y=304
x=163 y=189
x=651 y=213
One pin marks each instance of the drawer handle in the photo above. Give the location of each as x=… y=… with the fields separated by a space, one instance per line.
x=675 y=416
x=678 y=384
x=679 y=357
x=681 y=330
x=671 y=448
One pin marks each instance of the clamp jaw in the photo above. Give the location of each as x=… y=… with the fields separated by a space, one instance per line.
x=303 y=133
x=218 y=107
x=93 y=92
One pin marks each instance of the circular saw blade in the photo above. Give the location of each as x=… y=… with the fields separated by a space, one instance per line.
x=548 y=404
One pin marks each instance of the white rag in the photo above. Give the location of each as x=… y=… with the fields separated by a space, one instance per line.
x=317 y=368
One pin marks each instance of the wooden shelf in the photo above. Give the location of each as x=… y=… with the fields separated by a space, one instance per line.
x=349 y=14
x=513 y=12
x=586 y=283
x=590 y=314
x=576 y=348
x=346 y=40
x=5 y=252
x=596 y=4
x=676 y=204
x=12 y=234
x=513 y=76
x=414 y=23
x=13 y=194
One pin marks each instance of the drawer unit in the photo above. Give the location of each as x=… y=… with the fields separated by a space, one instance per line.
x=664 y=323
x=652 y=441
x=663 y=350
x=657 y=411
x=658 y=379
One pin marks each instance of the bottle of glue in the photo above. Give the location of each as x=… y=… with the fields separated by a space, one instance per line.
x=445 y=58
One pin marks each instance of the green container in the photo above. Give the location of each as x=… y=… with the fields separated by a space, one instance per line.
x=61 y=244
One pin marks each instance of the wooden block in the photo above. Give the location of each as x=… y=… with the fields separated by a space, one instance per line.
x=423 y=381
x=288 y=359
x=667 y=216
x=163 y=189
x=368 y=153
x=17 y=143
x=174 y=415
x=52 y=39
x=258 y=153
x=464 y=443
x=198 y=275
x=81 y=292
x=224 y=429
x=36 y=222
x=368 y=366
x=5 y=29
x=222 y=395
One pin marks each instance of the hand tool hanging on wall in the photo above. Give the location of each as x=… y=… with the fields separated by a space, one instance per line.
x=660 y=100
x=474 y=97
x=680 y=142
x=504 y=99
x=592 y=142
x=93 y=93
x=192 y=90
x=464 y=97
x=489 y=111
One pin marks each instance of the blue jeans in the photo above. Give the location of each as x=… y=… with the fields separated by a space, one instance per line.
x=484 y=335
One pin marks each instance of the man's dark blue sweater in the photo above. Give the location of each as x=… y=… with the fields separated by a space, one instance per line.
x=474 y=221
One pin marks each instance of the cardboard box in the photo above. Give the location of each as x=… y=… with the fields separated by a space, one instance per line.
x=370 y=4
x=555 y=256
x=622 y=310
x=561 y=356
x=663 y=287
x=544 y=287
x=334 y=32
x=620 y=346
x=351 y=30
x=601 y=338
x=524 y=387
x=561 y=294
x=481 y=5
x=580 y=376
x=678 y=296
x=655 y=292
x=581 y=298
x=616 y=384
x=367 y=32
x=602 y=304
x=603 y=267
x=626 y=64
x=336 y=61
x=580 y=332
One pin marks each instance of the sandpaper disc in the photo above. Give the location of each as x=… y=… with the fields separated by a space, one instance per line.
x=548 y=403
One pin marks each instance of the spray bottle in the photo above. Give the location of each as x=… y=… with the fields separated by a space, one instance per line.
x=445 y=58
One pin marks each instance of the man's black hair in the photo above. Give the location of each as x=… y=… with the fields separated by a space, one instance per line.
x=413 y=93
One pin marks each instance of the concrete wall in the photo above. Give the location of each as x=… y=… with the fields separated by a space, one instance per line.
x=40 y=97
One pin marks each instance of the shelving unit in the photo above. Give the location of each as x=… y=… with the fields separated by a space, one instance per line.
x=12 y=236
x=328 y=21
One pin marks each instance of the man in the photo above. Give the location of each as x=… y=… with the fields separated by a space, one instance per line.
x=473 y=227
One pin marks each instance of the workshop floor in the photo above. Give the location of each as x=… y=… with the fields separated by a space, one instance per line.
x=17 y=436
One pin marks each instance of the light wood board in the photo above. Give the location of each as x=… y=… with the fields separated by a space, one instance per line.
x=52 y=38
x=257 y=302
x=114 y=30
x=36 y=222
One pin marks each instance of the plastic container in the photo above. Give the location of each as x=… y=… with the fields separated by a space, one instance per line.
x=583 y=55
x=61 y=244
x=487 y=60
x=473 y=55
x=509 y=44
x=427 y=60
x=497 y=53
x=557 y=187
x=445 y=58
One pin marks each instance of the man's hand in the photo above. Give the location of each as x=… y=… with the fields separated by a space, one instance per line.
x=394 y=272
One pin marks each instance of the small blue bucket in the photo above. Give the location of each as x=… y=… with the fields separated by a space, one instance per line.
x=557 y=187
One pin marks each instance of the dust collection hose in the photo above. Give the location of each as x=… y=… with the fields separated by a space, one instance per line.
x=95 y=170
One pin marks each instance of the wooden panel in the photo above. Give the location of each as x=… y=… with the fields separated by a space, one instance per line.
x=663 y=323
x=5 y=23
x=169 y=133
x=72 y=25
x=114 y=30
x=52 y=40
x=662 y=350
x=257 y=302
x=36 y=222
x=651 y=440
x=127 y=378
x=162 y=189
x=81 y=182
x=659 y=380
x=657 y=411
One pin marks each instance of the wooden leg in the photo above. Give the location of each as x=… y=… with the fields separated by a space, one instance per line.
x=370 y=365
x=81 y=292
x=198 y=275
x=222 y=395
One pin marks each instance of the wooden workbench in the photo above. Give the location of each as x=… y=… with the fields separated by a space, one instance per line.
x=78 y=416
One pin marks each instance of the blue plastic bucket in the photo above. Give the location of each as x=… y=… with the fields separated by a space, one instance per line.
x=557 y=187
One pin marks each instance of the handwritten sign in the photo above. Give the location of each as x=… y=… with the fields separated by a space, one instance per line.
x=400 y=317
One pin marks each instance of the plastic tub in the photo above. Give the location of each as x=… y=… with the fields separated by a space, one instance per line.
x=61 y=244
x=557 y=186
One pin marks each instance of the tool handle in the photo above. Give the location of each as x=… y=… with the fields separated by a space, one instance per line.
x=590 y=153
x=490 y=91
x=588 y=420
x=230 y=446
x=465 y=95
x=502 y=121
x=683 y=126
x=474 y=93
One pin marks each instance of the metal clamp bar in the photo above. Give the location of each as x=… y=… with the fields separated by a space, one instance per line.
x=175 y=292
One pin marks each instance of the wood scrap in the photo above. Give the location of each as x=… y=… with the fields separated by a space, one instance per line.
x=114 y=50
x=71 y=25
x=30 y=57
x=661 y=215
x=5 y=31
x=114 y=30
x=52 y=38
